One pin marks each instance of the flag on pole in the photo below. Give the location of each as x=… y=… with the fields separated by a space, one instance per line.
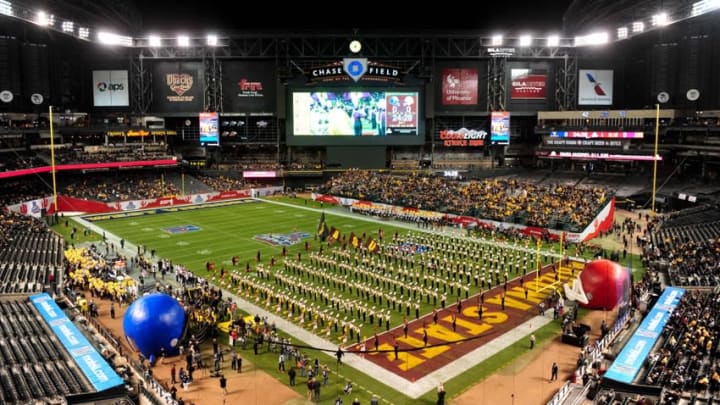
x=537 y=264
x=322 y=231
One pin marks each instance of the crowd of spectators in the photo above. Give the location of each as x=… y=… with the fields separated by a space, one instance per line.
x=685 y=246
x=21 y=189
x=107 y=187
x=223 y=183
x=19 y=160
x=304 y=165
x=108 y=153
x=129 y=186
x=13 y=225
x=271 y=164
x=250 y=164
x=688 y=357
x=506 y=200
x=241 y=159
x=689 y=263
x=93 y=186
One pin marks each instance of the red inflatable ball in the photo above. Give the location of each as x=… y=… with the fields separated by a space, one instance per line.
x=605 y=284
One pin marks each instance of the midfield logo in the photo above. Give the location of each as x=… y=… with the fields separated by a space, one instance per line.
x=282 y=239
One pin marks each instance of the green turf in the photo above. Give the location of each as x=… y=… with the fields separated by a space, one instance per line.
x=228 y=231
x=65 y=228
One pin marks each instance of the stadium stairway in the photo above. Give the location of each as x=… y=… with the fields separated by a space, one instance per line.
x=191 y=184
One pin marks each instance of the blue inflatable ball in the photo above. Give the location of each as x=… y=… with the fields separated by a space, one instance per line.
x=154 y=322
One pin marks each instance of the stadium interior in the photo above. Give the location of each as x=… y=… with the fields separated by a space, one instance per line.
x=530 y=137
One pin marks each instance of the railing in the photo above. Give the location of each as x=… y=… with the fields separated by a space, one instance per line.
x=561 y=394
x=106 y=334
x=156 y=392
x=594 y=355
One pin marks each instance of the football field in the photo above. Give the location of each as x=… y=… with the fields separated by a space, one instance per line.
x=193 y=236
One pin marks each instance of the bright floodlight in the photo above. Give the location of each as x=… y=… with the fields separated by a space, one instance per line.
x=154 y=41
x=660 y=20
x=44 y=19
x=598 y=38
x=183 y=40
x=638 y=26
x=622 y=33
x=68 y=26
x=704 y=6
x=109 y=38
x=6 y=8
x=553 y=40
x=84 y=33
x=525 y=40
x=496 y=40
x=212 y=40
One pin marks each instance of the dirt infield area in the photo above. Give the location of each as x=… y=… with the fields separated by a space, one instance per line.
x=526 y=381
x=250 y=386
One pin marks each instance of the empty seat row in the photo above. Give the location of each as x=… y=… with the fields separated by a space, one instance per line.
x=24 y=278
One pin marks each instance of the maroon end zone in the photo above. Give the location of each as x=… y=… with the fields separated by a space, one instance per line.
x=415 y=360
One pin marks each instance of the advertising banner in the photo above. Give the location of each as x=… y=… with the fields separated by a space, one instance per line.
x=111 y=88
x=463 y=137
x=598 y=134
x=595 y=87
x=459 y=86
x=262 y=174
x=91 y=363
x=500 y=127
x=209 y=132
x=603 y=143
x=596 y=156
x=178 y=87
x=527 y=84
x=249 y=87
x=634 y=354
x=402 y=113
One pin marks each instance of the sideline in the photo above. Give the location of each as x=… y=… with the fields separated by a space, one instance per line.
x=447 y=230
